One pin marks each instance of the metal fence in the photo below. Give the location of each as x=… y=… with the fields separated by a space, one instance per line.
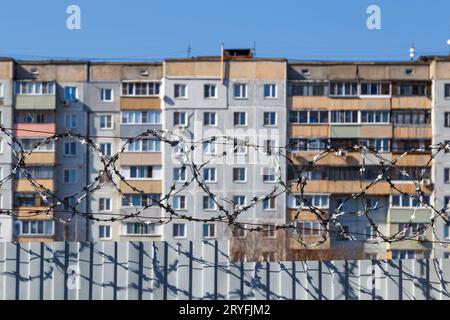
x=203 y=270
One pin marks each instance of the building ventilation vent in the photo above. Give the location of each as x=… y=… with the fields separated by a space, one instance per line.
x=144 y=72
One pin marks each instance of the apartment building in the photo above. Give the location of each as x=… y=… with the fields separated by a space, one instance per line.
x=243 y=98
x=6 y=101
x=440 y=75
x=124 y=102
x=384 y=106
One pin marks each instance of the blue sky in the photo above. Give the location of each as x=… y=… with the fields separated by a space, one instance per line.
x=155 y=29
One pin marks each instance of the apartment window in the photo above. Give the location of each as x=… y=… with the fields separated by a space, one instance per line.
x=411 y=116
x=209 y=174
x=70 y=93
x=371 y=232
x=106 y=121
x=447 y=119
x=106 y=95
x=407 y=201
x=140 y=200
x=209 y=203
x=269 y=146
x=138 y=229
x=70 y=176
x=209 y=148
x=179 y=119
x=269 y=204
x=140 y=88
x=270 y=118
x=180 y=91
x=447 y=91
x=179 y=230
x=410 y=229
x=380 y=145
x=344 y=89
x=347 y=116
x=140 y=117
x=104 y=204
x=179 y=174
x=142 y=172
x=70 y=120
x=375 y=89
x=35 y=228
x=210 y=91
x=409 y=145
x=302 y=144
x=70 y=149
x=239 y=231
x=240 y=118
x=269 y=175
x=316 y=200
x=307 y=89
x=209 y=230
x=106 y=148
x=308 y=228
x=446 y=175
x=270 y=91
x=412 y=89
x=239 y=174
x=104 y=232
x=144 y=145
x=240 y=146
x=179 y=202
x=240 y=91
x=1 y=144
x=239 y=201
x=269 y=232
x=35 y=88
x=210 y=118
x=375 y=117
x=403 y=254
x=308 y=117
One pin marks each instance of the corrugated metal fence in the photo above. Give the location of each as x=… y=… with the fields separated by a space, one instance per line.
x=202 y=270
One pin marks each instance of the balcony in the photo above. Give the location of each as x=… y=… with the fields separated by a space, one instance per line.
x=24 y=213
x=148 y=186
x=413 y=132
x=345 y=131
x=302 y=130
x=344 y=187
x=350 y=103
x=140 y=158
x=140 y=103
x=304 y=157
x=41 y=158
x=23 y=185
x=35 y=102
x=411 y=103
x=34 y=130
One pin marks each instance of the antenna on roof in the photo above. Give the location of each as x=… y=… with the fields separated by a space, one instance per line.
x=189 y=51
x=412 y=52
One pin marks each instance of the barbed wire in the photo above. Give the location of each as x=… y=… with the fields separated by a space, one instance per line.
x=294 y=187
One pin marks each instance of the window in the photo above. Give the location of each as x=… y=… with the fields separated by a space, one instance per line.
x=407 y=201
x=269 y=146
x=106 y=148
x=240 y=91
x=240 y=146
x=179 y=119
x=210 y=118
x=70 y=149
x=142 y=172
x=40 y=172
x=371 y=232
x=140 y=89
x=209 y=203
x=239 y=201
x=210 y=91
x=104 y=232
x=375 y=117
x=1 y=96
x=270 y=91
x=239 y=175
x=140 y=200
x=269 y=232
x=446 y=175
x=70 y=93
x=209 y=148
x=447 y=91
x=140 y=229
x=179 y=202
x=209 y=230
x=70 y=120
x=307 y=89
x=308 y=228
x=270 y=118
x=344 y=89
x=179 y=230
x=144 y=145
x=302 y=144
x=409 y=145
x=70 y=176
x=403 y=254
x=106 y=95
x=35 y=88
x=180 y=91
x=179 y=174
x=411 y=116
x=35 y=228
x=380 y=145
x=412 y=89
x=240 y=118
x=239 y=231
x=106 y=121
x=104 y=204
x=447 y=119
x=338 y=116
x=209 y=174
x=411 y=229
x=375 y=89
x=308 y=117
x=140 y=117
x=316 y=200
x=269 y=175
x=269 y=204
